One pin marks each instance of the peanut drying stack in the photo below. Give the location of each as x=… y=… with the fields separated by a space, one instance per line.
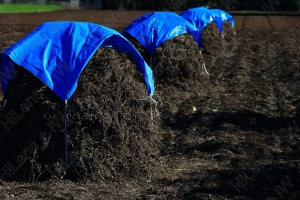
x=178 y=62
x=179 y=72
x=112 y=133
x=215 y=43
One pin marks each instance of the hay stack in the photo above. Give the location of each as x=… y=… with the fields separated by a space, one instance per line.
x=179 y=74
x=1 y=94
x=177 y=62
x=111 y=134
x=214 y=43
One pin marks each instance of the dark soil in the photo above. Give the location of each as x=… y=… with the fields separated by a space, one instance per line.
x=112 y=133
x=241 y=141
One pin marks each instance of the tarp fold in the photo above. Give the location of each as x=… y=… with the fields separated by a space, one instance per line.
x=153 y=29
x=57 y=53
x=200 y=17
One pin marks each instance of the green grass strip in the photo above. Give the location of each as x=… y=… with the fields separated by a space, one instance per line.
x=28 y=8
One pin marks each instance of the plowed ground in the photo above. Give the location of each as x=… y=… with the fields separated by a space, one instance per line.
x=241 y=142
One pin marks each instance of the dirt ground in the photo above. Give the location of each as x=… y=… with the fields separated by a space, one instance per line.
x=237 y=138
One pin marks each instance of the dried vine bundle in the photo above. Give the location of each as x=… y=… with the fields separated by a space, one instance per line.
x=111 y=131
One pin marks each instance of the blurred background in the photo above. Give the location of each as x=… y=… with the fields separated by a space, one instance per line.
x=257 y=5
x=184 y=4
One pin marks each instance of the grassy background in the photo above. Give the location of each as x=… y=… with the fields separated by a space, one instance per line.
x=25 y=8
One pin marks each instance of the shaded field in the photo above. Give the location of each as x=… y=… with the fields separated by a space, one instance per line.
x=236 y=138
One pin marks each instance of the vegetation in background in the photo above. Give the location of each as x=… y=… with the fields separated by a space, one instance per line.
x=22 y=8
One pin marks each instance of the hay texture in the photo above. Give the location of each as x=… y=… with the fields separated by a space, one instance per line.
x=177 y=62
x=213 y=42
x=111 y=133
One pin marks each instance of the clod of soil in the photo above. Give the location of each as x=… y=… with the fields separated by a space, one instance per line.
x=111 y=131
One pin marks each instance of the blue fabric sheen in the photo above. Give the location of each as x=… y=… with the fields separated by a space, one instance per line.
x=57 y=53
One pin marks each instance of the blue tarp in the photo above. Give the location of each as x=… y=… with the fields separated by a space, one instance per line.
x=221 y=16
x=57 y=52
x=153 y=29
x=201 y=16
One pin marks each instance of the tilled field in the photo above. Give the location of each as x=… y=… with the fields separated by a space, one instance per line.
x=238 y=137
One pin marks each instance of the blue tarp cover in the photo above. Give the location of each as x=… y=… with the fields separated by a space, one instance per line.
x=201 y=16
x=153 y=29
x=57 y=52
x=221 y=16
